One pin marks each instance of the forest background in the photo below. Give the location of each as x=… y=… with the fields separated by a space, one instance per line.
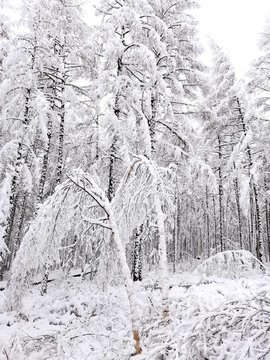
x=118 y=142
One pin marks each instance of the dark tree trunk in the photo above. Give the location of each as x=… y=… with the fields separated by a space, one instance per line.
x=112 y=170
x=253 y=187
x=18 y=229
x=259 y=238
x=267 y=226
x=215 y=224
x=176 y=231
x=59 y=168
x=220 y=196
x=152 y=120
x=239 y=215
x=45 y=163
x=113 y=149
x=21 y=157
x=137 y=255
x=44 y=284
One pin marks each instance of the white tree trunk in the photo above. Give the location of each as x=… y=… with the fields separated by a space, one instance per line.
x=126 y=273
x=163 y=260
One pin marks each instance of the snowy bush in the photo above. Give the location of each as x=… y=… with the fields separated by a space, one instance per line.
x=75 y=320
x=230 y=264
x=237 y=330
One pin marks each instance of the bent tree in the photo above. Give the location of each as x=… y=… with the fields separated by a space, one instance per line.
x=147 y=192
x=55 y=219
x=79 y=216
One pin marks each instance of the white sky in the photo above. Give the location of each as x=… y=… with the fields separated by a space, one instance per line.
x=235 y=26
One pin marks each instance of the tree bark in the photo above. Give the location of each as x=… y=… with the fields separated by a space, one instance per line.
x=112 y=170
x=152 y=120
x=126 y=274
x=253 y=188
x=59 y=168
x=163 y=260
x=220 y=195
x=137 y=255
x=207 y=221
x=175 y=231
x=237 y=199
x=21 y=157
x=267 y=226
x=259 y=240
x=215 y=224
x=44 y=168
x=113 y=149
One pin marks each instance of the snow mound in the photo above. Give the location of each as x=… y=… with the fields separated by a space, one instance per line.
x=230 y=264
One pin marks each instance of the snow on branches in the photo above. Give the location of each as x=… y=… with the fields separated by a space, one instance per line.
x=66 y=228
x=65 y=222
x=134 y=201
x=237 y=330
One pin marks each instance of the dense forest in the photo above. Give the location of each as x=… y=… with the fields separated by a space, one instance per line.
x=124 y=160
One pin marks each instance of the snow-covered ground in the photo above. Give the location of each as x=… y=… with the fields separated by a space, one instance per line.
x=212 y=317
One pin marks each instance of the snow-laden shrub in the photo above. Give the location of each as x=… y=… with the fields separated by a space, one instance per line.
x=238 y=330
x=230 y=264
x=74 y=320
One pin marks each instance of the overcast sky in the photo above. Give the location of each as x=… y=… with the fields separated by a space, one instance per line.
x=234 y=25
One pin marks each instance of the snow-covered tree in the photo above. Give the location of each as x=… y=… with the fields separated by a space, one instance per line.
x=21 y=116
x=64 y=65
x=73 y=219
x=235 y=164
x=40 y=94
x=258 y=89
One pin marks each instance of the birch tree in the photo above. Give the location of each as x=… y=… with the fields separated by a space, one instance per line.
x=151 y=75
x=49 y=224
x=146 y=180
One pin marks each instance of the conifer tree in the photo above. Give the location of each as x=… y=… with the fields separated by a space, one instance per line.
x=258 y=88
x=20 y=117
x=235 y=159
x=39 y=95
